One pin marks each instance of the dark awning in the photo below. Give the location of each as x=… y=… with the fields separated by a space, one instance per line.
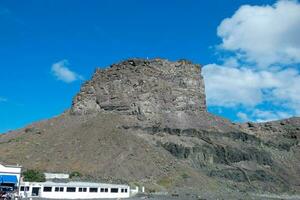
x=8 y=179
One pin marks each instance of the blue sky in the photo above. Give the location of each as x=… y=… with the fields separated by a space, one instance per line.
x=48 y=48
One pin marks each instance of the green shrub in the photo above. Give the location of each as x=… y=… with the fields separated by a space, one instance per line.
x=165 y=182
x=33 y=175
x=75 y=175
x=185 y=176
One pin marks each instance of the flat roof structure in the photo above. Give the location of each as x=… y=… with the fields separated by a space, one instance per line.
x=76 y=184
x=10 y=174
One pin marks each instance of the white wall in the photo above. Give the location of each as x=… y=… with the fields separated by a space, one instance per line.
x=83 y=195
x=73 y=195
x=56 y=175
x=11 y=170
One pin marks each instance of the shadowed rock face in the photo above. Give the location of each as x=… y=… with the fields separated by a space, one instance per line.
x=146 y=89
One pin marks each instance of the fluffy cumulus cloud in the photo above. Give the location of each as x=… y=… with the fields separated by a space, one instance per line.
x=231 y=86
x=262 y=79
x=61 y=71
x=264 y=34
x=258 y=115
x=263 y=115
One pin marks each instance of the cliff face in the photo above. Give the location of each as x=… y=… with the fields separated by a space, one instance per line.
x=145 y=122
x=143 y=88
x=156 y=92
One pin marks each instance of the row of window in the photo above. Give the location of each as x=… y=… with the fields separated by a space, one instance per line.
x=24 y=188
x=81 y=189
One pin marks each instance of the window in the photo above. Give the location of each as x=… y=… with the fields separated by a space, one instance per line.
x=23 y=188
x=114 y=190
x=71 y=189
x=93 y=189
x=82 y=189
x=104 y=190
x=59 y=189
x=123 y=190
x=47 y=189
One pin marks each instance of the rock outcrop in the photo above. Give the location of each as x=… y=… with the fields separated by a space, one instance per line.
x=144 y=88
x=157 y=93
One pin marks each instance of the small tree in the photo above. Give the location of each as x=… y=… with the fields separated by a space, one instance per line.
x=33 y=175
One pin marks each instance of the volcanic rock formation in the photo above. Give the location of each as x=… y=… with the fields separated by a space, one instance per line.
x=144 y=88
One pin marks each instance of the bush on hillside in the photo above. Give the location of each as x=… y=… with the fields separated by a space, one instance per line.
x=33 y=175
x=75 y=175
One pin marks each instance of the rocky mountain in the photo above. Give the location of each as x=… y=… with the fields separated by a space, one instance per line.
x=145 y=122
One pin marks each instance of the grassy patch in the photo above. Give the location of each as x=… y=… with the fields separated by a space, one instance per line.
x=165 y=182
x=185 y=176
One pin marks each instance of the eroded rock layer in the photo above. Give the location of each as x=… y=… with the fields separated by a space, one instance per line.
x=145 y=88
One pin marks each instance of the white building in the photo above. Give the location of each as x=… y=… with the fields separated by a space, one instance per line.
x=56 y=176
x=73 y=190
x=10 y=174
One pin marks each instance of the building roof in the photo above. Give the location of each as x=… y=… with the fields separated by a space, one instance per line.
x=76 y=184
x=13 y=166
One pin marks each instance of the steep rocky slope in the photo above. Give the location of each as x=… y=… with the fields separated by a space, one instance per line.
x=145 y=122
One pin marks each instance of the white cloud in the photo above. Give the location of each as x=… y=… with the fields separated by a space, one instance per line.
x=260 y=81
x=3 y=99
x=231 y=62
x=242 y=116
x=231 y=87
x=259 y=115
x=267 y=115
x=63 y=73
x=265 y=35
